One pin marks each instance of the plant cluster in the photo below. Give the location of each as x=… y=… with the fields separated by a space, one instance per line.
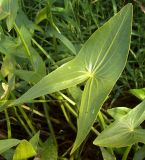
x=53 y=81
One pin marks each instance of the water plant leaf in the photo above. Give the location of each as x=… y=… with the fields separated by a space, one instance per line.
x=49 y=150
x=118 y=112
x=140 y=154
x=107 y=155
x=24 y=150
x=125 y=131
x=7 y=144
x=100 y=61
x=41 y=15
x=22 y=20
x=139 y=93
x=65 y=41
x=34 y=140
x=106 y=53
x=8 y=10
x=68 y=75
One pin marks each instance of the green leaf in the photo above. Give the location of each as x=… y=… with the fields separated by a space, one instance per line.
x=100 y=61
x=41 y=15
x=105 y=54
x=24 y=150
x=7 y=144
x=76 y=93
x=8 y=10
x=22 y=20
x=49 y=150
x=125 y=131
x=139 y=93
x=34 y=58
x=8 y=154
x=107 y=155
x=34 y=140
x=68 y=75
x=28 y=76
x=65 y=41
x=3 y=12
x=140 y=154
x=118 y=112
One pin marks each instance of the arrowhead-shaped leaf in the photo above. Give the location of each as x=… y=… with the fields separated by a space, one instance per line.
x=125 y=131
x=100 y=61
x=106 y=53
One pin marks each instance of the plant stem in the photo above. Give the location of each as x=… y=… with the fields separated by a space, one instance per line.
x=8 y=123
x=44 y=52
x=45 y=106
x=125 y=155
x=24 y=43
x=67 y=98
x=101 y=120
x=22 y=39
x=67 y=117
x=27 y=119
x=22 y=122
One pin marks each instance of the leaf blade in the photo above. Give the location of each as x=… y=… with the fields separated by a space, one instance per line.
x=125 y=131
x=100 y=61
x=68 y=75
x=7 y=144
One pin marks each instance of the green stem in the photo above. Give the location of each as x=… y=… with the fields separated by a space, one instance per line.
x=101 y=120
x=22 y=39
x=103 y=125
x=67 y=117
x=125 y=155
x=114 y=6
x=24 y=43
x=71 y=109
x=45 y=106
x=67 y=98
x=27 y=120
x=44 y=52
x=22 y=122
x=76 y=115
x=8 y=124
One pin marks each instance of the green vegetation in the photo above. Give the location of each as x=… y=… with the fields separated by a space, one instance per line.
x=62 y=85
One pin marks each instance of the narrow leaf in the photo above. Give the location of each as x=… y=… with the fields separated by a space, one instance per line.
x=68 y=75
x=65 y=41
x=7 y=144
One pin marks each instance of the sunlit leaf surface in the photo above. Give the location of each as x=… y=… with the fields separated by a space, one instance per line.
x=24 y=150
x=125 y=131
x=100 y=63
